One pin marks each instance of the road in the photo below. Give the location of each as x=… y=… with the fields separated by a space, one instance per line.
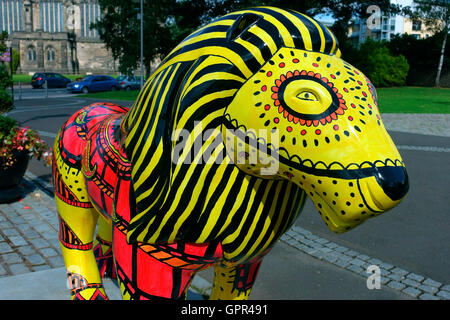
x=413 y=236
x=26 y=92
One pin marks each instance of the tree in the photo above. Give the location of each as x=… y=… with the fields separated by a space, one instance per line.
x=341 y=10
x=15 y=60
x=422 y=63
x=436 y=16
x=119 y=29
x=6 y=102
x=384 y=68
x=167 y=22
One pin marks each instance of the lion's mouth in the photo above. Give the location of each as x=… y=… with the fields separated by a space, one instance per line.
x=390 y=174
x=345 y=195
x=336 y=169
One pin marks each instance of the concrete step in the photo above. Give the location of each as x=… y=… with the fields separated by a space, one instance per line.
x=51 y=285
x=45 y=285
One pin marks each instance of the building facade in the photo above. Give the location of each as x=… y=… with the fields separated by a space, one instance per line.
x=385 y=27
x=55 y=35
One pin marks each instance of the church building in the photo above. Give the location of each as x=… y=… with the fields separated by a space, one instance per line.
x=55 y=35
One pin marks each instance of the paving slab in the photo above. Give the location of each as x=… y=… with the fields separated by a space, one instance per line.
x=45 y=285
x=51 y=285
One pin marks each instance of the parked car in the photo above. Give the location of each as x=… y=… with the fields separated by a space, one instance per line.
x=129 y=82
x=93 y=84
x=53 y=80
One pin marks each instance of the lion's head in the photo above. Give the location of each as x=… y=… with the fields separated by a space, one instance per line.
x=285 y=105
x=330 y=138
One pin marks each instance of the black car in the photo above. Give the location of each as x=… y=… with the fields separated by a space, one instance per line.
x=53 y=80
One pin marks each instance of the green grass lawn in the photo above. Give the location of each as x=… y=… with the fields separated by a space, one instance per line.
x=21 y=78
x=414 y=100
x=391 y=100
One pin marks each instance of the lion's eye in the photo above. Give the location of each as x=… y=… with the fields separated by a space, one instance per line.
x=307 y=98
x=307 y=95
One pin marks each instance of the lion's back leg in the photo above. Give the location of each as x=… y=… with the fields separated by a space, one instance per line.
x=234 y=283
x=78 y=220
x=103 y=248
x=77 y=229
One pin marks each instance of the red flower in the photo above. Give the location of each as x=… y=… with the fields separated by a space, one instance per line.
x=21 y=139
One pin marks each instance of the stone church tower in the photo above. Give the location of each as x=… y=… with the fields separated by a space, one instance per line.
x=55 y=35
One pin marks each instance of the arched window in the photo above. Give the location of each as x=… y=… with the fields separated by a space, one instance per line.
x=50 y=54
x=31 y=54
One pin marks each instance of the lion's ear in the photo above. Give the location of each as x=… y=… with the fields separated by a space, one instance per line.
x=242 y=24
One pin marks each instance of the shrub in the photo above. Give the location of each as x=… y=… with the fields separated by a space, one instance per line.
x=378 y=63
x=6 y=101
x=387 y=70
x=6 y=125
x=5 y=78
x=14 y=139
x=15 y=62
x=423 y=57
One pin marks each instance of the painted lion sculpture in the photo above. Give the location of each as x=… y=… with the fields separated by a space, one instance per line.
x=241 y=122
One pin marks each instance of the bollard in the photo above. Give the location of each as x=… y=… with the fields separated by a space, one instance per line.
x=20 y=90
x=46 y=89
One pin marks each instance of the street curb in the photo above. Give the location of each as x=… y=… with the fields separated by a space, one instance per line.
x=46 y=187
x=407 y=282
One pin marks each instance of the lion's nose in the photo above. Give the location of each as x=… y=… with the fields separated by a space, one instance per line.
x=393 y=180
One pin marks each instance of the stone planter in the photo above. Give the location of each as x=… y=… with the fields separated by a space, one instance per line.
x=10 y=178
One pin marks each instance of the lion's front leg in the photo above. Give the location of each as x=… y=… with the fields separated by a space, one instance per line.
x=103 y=248
x=234 y=283
x=77 y=229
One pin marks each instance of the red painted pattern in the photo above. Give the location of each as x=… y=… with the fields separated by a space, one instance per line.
x=91 y=141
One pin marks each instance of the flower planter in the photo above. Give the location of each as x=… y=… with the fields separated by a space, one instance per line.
x=10 y=177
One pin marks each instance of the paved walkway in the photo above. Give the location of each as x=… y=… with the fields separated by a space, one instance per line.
x=29 y=247
x=29 y=233
x=31 y=265
x=420 y=123
x=405 y=281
